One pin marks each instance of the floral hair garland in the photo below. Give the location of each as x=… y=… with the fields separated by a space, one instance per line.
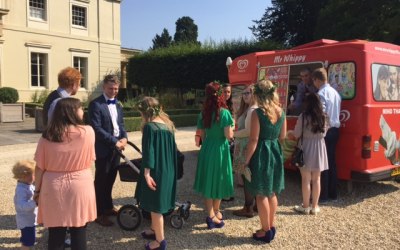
x=265 y=94
x=153 y=111
x=219 y=91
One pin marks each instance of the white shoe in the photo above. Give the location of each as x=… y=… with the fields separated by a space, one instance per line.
x=315 y=210
x=302 y=210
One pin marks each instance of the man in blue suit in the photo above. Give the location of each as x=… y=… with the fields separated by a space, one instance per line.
x=106 y=118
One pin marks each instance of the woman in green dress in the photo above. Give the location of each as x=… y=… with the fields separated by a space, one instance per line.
x=264 y=156
x=214 y=178
x=157 y=184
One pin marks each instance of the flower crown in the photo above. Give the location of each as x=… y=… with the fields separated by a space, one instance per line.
x=265 y=93
x=220 y=89
x=145 y=108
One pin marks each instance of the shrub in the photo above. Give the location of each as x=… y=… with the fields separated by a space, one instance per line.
x=132 y=123
x=184 y=120
x=40 y=97
x=8 y=95
x=170 y=100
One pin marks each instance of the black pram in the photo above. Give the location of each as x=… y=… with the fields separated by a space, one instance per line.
x=130 y=216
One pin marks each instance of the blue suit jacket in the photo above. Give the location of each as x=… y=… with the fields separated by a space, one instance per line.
x=100 y=120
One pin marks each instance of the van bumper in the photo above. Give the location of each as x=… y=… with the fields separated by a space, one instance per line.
x=371 y=176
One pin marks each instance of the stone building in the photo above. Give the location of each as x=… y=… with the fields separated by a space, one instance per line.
x=38 y=38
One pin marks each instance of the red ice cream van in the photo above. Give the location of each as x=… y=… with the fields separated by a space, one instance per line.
x=366 y=75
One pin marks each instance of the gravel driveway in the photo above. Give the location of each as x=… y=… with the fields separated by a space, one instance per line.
x=366 y=218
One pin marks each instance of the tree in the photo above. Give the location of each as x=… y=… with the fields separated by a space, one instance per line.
x=186 y=30
x=295 y=22
x=348 y=19
x=290 y=22
x=163 y=41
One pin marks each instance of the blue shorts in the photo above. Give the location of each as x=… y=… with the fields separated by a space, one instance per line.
x=28 y=236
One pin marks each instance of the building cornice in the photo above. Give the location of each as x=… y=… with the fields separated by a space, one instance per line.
x=38 y=45
x=4 y=12
x=78 y=50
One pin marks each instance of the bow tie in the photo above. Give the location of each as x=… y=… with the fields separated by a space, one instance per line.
x=111 y=102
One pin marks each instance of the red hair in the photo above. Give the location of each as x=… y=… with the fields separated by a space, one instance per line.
x=215 y=100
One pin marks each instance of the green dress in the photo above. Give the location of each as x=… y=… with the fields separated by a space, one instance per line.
x=266 y=164
x=214 y=178
x=159 y=154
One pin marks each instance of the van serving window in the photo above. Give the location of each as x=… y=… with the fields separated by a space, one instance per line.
x=342 y=77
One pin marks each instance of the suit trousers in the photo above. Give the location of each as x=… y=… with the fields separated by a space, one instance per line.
x=105 y=175
x=329 y=177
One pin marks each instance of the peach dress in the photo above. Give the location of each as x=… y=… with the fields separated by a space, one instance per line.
x=67 y=196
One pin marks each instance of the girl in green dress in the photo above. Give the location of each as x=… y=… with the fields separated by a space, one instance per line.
x=264 y=156
x=214 y=178
x=157 y=185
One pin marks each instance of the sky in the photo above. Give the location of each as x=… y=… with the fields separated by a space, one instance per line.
x=217 y=20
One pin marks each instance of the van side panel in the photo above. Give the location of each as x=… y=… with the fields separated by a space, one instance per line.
x=369 y=143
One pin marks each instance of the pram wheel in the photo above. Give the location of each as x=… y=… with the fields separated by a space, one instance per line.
x=176 y=221
x=184 y=210
x=129 y=217
x=186 y=214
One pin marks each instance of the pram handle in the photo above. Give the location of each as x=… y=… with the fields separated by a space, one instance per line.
x=119 y=152
x=134 y=146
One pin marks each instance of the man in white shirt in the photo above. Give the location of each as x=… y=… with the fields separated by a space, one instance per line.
x=331 y=101
x=106 y=118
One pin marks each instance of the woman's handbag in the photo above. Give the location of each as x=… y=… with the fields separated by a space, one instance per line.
x=298 y=155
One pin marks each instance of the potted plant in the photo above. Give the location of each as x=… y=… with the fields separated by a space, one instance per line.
x=10 y=110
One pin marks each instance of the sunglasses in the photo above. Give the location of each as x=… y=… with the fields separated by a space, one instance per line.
x=246 y=93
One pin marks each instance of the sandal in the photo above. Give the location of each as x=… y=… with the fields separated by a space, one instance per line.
x=162 y=245
x=213 y=224
x=217 y=213
x=267 y=237
x=149 y=236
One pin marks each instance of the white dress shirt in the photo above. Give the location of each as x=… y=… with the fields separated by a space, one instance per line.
x=114 y=116
x=331 y=100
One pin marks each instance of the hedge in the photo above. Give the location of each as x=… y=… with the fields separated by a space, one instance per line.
x=128 y=112
x=133 y=123
x=187 y=66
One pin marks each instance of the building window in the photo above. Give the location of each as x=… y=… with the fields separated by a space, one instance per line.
x=38 y=69
x=79 y=16
x=80 y=63
x=37 y=9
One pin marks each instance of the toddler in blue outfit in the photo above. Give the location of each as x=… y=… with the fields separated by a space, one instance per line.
x=25 y=206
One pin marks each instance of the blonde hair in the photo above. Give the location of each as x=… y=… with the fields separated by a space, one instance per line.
x=268 y=99
x=150 y=108
x=23 y=168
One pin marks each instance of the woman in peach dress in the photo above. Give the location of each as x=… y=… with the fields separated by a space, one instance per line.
x=64 y=187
